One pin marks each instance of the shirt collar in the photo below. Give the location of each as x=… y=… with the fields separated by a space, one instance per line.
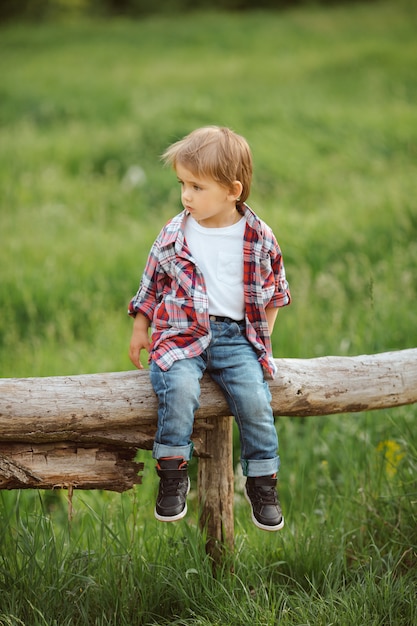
x=174 y=230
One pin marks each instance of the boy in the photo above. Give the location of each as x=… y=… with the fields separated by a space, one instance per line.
x=210 y=293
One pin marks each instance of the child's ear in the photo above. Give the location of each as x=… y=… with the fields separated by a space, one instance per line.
x=235 y=190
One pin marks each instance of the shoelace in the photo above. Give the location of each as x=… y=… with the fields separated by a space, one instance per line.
x=266 y=495
x=171 y=486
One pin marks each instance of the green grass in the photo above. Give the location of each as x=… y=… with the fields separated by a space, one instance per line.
x=347 y=554
x=326 y=98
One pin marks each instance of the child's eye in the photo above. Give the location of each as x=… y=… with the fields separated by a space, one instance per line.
x=196 y=188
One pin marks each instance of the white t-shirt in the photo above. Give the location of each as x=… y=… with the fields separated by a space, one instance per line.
x=218 y=253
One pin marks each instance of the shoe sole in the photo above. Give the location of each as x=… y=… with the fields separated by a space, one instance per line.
x=263 y=526
x=173 y=518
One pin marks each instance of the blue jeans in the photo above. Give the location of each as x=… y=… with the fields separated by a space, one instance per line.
x=232 y=363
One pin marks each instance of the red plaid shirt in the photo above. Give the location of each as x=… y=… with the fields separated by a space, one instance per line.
x=172 y=293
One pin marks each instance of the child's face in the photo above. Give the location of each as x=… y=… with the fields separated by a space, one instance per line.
x=210 y=204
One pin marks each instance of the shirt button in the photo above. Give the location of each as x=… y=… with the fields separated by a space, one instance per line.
x=201 y=310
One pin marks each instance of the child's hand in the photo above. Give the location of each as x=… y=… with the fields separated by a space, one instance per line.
x=140 y=340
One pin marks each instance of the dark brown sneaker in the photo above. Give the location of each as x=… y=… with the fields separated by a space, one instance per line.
x=261 y=493
x=171 y=502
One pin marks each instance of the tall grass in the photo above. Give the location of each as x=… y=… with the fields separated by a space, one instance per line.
x=347 y=554
x=326 y=99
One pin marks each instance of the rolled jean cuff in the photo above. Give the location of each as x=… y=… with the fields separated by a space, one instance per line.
x=262 y=467
x=161 y=451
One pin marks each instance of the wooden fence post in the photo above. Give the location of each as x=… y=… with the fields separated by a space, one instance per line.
x=216 y=487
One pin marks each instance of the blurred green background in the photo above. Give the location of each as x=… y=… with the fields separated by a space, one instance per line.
x=326 y=98
x=47 y=9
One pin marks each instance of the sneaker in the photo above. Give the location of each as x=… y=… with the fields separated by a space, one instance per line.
x=171 y=503
x=261 y=494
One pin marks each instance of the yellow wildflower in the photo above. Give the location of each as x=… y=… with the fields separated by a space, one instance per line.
x=393 y=454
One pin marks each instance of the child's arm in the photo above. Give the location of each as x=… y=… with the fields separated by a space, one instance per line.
x=140 y=339
x=271 y=316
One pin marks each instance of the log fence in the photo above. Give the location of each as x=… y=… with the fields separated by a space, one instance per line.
x=83 y=432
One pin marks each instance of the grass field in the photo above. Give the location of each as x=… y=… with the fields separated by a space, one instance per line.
x=326 y=98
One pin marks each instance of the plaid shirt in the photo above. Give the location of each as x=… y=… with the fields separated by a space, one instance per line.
x=172 y=293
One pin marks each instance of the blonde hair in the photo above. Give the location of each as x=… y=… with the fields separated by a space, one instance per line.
x=215 y=152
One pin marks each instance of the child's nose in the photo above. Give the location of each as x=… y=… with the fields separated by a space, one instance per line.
x=186 y=194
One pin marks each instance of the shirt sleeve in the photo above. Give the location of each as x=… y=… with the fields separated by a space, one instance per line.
x=281 y=295
x=145 y=299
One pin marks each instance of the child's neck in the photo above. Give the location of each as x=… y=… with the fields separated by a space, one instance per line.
x=221 y=221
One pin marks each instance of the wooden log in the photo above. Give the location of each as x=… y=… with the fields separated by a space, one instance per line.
x=334 y=384
x=121 y=408
x=67 y=465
